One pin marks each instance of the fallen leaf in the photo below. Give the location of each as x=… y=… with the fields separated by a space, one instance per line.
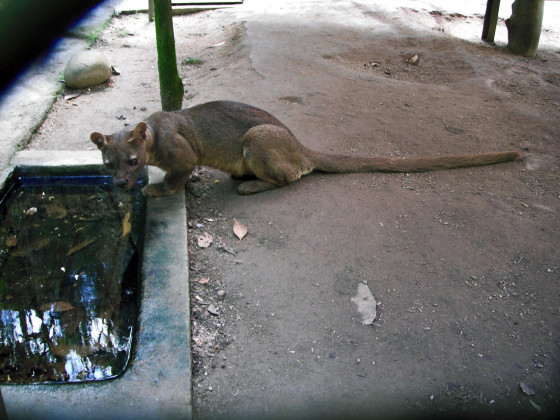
x=56 y=307
x=527 y=389
x=80 y=246
x=71 y=96
x=204 y=280
x=89 y=219
x=205 y=240
x=367 y=306
x=454 y=130
x=126 y=226
x=35 y=246
x=11 y=240
x=31 y=211
x=55 y=211
x=413 y=59
x=240 y=230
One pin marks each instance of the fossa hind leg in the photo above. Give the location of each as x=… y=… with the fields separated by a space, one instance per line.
x=273 y=155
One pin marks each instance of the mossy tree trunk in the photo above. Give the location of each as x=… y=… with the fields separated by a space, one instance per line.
x=524 y=26
x=170 y=84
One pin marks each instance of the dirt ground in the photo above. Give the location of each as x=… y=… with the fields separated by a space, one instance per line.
x=464 y=264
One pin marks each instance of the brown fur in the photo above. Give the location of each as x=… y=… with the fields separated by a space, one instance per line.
x=246 y=142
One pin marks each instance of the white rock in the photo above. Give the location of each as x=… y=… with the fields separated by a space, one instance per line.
x=86 y=69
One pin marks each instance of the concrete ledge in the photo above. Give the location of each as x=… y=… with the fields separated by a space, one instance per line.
x=157 y=382
x=54 y=158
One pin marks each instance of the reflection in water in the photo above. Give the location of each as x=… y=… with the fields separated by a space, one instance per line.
x=68 y=280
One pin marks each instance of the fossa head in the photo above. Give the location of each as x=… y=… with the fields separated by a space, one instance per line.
x=124 y=153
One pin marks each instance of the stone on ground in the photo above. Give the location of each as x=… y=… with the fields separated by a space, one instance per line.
x=86 y=69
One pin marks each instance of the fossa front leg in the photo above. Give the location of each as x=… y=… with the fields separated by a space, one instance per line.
x=172 y=182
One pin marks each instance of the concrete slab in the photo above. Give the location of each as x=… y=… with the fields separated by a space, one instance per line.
x=157 y=383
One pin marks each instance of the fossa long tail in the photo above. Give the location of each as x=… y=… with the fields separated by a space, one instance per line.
x=345 y=164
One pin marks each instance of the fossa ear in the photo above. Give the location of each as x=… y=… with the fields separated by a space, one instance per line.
x=140 y=131
x=100 y=140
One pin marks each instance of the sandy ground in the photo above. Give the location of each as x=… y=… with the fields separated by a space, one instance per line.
x=464 y=264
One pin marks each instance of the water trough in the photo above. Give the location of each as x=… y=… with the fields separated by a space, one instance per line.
x=157 y=382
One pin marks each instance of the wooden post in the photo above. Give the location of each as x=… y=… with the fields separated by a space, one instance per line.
x=524 y=26
x=490 y=20
x=170 y=84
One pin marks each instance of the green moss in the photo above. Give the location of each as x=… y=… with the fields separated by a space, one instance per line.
x=191 y=61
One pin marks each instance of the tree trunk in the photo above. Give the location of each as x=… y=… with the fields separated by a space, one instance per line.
x=170 y=84
x=524 y=26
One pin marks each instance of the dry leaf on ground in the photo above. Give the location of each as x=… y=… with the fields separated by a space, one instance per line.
x=80 y=246
x=126 y=226
x=55 y=211
x=240 y=230
x=367 y=306
x=56 y=307
x=23 y=251
x=413 y=59
x=11 y=241
x=527 y=389
x=205 y=240
x=71 y=96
